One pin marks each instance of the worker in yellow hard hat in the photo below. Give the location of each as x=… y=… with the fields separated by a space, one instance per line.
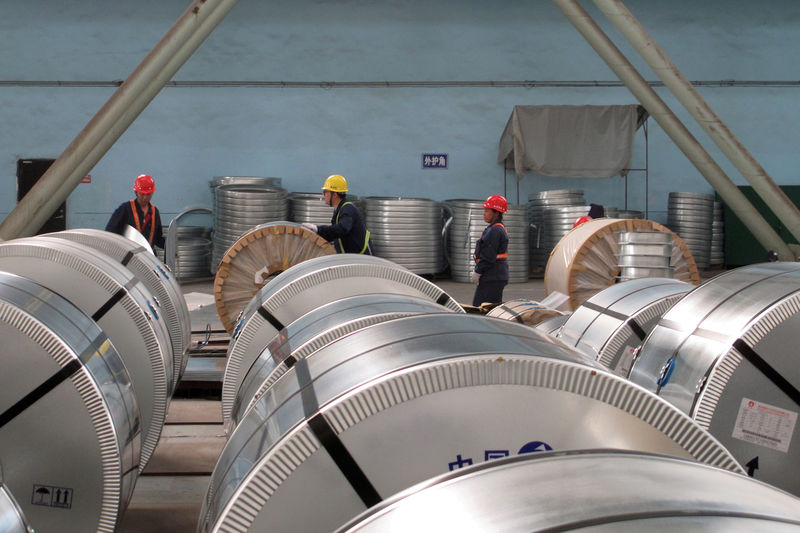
x=347 y=231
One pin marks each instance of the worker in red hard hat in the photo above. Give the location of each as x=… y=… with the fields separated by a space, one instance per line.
x=139 y=213
x=491 y=254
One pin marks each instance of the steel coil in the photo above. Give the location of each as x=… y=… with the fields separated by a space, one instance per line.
x=165 y=290
x=120 y=304
x=309 y=207
x=598 y=491
x=12 y=519
x=725 y=355
x=393 y=404
x=690 y=215
x=69 y=441
x=544 y=232
x=305 y=287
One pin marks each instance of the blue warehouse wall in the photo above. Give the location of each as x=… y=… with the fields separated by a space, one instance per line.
x=235 y=118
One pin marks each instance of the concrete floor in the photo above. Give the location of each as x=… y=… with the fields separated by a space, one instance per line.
x=168 y=495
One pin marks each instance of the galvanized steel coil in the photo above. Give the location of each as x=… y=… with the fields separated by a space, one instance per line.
x=12 y=519
x=310 y=207
x=644 y=254
x=406 y=231
x=726 y=355
x=717 y=235
x=524 y=311
x=164 y=288
x=238 y=208
x=613 y=323
x=120 y=304
x=70 y=431
x=598 y=491
x=306 y=287
x=188 y=247
x=395 y=403
x=258 y=255
x=585 y=261
x=303 y=337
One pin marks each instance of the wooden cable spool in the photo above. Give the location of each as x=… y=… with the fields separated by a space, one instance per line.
x=584 y=262
x=259 y=254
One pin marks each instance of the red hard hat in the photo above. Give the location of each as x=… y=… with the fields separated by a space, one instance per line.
x=581 y=220
x=144 y=184
x=496 y=202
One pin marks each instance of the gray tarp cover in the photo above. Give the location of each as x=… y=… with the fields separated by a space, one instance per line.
x=588 y=141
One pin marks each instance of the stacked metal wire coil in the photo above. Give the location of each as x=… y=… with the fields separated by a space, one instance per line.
x=406 y=231
x=516 y=222
x=717 y=236
x=644 y=254
x=310 y=207
x=238 y=208
x=194 y=247
x=629 y=213
x=543 y=238
x=690 y=215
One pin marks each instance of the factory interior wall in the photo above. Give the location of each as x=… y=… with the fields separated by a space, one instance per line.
x=376 y=134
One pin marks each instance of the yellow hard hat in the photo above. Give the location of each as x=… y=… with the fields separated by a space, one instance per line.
x=335 y=183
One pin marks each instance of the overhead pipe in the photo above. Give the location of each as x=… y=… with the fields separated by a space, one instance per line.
x=168 y=55
x=673 y=127
x=690 y=98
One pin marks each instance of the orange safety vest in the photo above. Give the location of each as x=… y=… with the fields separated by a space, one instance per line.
x=138 y=223
x=504 y=255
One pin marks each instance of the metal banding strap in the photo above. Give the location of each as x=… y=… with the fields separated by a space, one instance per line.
x=516 y=315
x=331 y=441
x=38 y=393
x=109 y=304
x=127 y=258
x=769 y=372
x=443 y=299
x=637 y=329
x=269 y=317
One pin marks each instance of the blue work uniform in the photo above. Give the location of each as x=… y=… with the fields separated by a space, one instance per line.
x=348 y=230
x=129 y=213
x=491 y=262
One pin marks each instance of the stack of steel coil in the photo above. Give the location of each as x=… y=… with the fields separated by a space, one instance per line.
x=644 y=254
x=462 y=229
x=193 y=259
x=406 y=231
x=717 y=236
x=542 y=238
x=310 y=207
x=690 y=215
x=238 y=208
x=629 y=213
x=516 y=222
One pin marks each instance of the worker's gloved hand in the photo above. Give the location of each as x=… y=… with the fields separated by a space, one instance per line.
x=474 y=277
x=310 y=226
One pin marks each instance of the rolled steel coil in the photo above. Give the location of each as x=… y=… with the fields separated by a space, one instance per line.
x=644 y=254
x=406 y=231
x=613 y=323
x=261 y=253
x=120 y=304
x=166 y=292
x=12 y=519
x=630 y=213
x=315 y=329
x=69 y=437
x=725 y=354
x=258 y=181
x=528 y=312
x=393 y=404
x=718 y=235
x=598 y=491
x=585 y=261
x=306 y=287
x=238 y=208
x=551 y=326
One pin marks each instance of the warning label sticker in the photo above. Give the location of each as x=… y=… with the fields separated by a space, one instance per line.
x=765 y=425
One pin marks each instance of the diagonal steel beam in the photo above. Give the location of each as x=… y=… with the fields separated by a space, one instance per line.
x=673 y=127
x=116 y=115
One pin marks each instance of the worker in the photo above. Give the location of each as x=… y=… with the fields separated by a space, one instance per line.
x=139 y=213
x=491 y=254
x=347 y=231
x=595 y=211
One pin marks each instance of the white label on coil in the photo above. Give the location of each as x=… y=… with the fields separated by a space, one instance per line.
x=625 y=361
x=765 y=425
